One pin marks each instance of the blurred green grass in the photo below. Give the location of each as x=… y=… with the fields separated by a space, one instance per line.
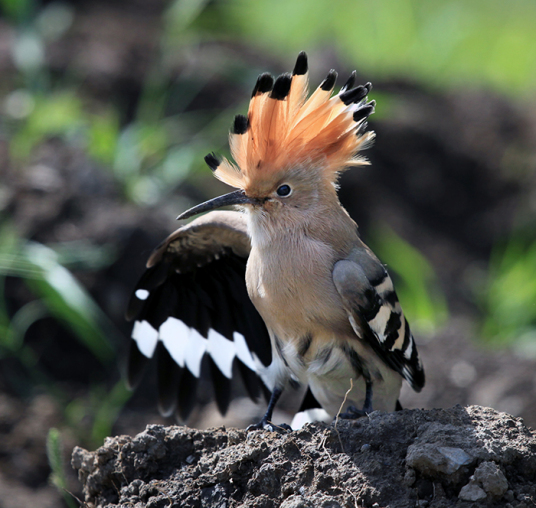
x=438 y=43
x=507 y=295
x=416 y=283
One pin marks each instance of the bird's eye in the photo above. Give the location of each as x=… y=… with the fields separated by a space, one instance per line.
x=284 y=190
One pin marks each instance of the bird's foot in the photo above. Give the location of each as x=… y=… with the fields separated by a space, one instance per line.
x=352 y=413
x=265 y=424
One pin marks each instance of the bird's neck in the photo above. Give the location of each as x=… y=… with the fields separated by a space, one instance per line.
x=328 y=223
x=291 y=262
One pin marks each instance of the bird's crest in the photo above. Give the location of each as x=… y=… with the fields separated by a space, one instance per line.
x=284 y=128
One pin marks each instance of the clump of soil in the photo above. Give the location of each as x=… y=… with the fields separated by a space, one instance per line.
x=462 y=457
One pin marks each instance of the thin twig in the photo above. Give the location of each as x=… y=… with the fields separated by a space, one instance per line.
x=340 y=410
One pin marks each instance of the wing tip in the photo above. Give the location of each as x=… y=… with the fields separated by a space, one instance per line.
x=418 y=378
x=136 y=365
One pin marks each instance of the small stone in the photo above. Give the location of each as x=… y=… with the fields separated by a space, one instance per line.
x=431 y=459
x=83 y=460
x=234 y=437
x=409 y=477
x=471 y=492
x=133 y=489
x=190 y=459
x=509 y=496
x=491 y=478
x=365 y=448
x=329 y=503
x=456 y=458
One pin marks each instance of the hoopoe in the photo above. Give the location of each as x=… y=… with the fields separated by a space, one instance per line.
x=283 y=292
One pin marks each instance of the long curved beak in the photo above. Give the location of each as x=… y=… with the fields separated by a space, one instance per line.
x=233 y=198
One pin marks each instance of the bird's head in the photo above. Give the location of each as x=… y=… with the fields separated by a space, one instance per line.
x=290 y=148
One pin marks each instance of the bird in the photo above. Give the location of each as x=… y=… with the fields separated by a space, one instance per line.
x=280 y=292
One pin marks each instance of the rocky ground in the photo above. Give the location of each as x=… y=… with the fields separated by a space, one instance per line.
x=458 y=457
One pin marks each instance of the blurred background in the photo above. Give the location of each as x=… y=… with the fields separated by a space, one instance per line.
x=107 y=108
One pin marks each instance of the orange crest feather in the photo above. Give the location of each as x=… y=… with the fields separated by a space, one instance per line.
x=284 y=128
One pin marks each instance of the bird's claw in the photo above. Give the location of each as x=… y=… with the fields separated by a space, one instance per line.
x=269 y=426
x=352 y=413
x=284 y=426
x=262 y=425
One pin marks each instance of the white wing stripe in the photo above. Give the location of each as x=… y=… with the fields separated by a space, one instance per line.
x=242 y=351
x=174 y=334
x=222 y=352
x=401 y=335
x=146 y=337
x=379 y=322
x=187 y=346
x=141 y=294
x=409 y=350
x=195 y=348
x=385 y=286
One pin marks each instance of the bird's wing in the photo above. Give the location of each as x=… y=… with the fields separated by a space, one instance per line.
x=192 y=311
x=375 y=314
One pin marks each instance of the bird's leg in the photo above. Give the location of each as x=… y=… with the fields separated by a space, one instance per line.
x=352 y=413
x=266 y=423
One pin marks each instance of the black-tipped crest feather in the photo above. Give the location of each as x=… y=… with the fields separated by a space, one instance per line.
x=362 y=128
x=265 y=83
x=281 y=86
x=328 y=83
x=349 y=82
x=213 y=161
x=354 y=95
x=301 y=66
x=240 y=124
x=364 y=112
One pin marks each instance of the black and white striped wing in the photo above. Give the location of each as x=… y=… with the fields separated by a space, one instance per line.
x=375 y=314
x=192 y=312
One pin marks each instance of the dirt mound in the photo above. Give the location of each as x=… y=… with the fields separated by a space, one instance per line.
x=436 y=458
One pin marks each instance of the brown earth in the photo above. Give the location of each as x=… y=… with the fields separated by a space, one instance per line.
x=458 y=457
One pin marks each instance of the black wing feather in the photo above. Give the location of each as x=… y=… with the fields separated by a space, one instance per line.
x=169 y=376
x=187 y=395
x=153 y=277
x=366 y=289
x=136 y=365
x=197 y=276
x=222 y=387
x=251 y=381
